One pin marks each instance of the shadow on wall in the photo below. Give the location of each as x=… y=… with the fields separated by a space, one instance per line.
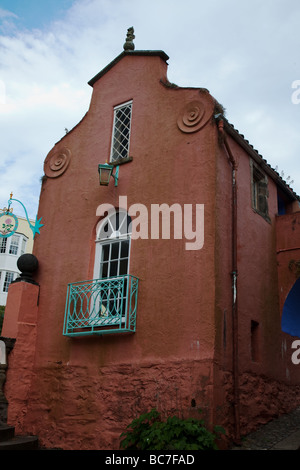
x=2 y=308
x=290 y=321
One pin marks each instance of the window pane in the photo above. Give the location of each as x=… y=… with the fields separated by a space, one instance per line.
x=13 y=250
x=124 y=248
x=115 y=250
x=105 y=252
x=123 y=266
x=117 y=221
x=128 y=220
x=104 y=272
x=23 y=246
x=106 y=231
x=9 y=277
x=121 y=132
x=3 y=242
x=14 y=244
x=123 y=225
x=113 y=268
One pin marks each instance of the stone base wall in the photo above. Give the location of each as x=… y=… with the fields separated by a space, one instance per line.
x=6 y=345
x=80 y=408
x=263 y=399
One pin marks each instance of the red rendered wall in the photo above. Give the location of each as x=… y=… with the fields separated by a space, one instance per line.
x=288 y=255
x=288 y=250
x=268 y=384
x=83 y=392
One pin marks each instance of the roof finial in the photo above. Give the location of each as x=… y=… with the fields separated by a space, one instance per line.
x=129 y=46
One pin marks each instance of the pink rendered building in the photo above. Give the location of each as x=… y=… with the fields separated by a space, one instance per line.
x=175 y=286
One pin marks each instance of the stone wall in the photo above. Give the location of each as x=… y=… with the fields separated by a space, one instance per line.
x=6 y=345
x=82 y=408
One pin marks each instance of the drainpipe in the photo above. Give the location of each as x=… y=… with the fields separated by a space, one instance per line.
x=235 y=363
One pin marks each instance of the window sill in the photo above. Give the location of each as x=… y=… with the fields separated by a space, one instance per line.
x=121 y=161
x=264 y=216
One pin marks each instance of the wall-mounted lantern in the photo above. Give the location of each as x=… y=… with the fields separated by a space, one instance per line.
x=105 y=172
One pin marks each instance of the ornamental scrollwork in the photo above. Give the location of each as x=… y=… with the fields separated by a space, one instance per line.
x=195 y=115
x=56 y=162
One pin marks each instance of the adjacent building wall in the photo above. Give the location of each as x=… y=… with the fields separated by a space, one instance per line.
x=8 y=260
x=268 y=381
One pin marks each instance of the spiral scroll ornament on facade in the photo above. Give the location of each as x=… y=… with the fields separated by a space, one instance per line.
x=194 y=116
x=57 y=162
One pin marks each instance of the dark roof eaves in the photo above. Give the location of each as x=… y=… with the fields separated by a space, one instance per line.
x=161 y=54
x=239 y=138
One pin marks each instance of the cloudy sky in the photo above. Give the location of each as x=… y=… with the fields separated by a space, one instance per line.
x=246 y=53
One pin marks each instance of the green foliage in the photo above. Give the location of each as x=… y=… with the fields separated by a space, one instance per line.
x=150 y=432
x=2 y=308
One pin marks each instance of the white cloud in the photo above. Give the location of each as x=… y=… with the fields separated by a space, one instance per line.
x=245 y=53
x=7 y=14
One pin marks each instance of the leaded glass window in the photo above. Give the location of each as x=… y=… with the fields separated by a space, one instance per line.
x=121 y=132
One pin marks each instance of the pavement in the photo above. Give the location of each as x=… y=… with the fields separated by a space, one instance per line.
x=282 y=433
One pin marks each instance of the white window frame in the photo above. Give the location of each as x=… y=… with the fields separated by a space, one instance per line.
x=114 y=158
x=23 y=244
x=17 y=240
x=3 y=245
x=14 y=244
x=5 y=281
x=115 y=236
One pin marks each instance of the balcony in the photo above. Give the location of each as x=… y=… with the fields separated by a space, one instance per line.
x=101 y=306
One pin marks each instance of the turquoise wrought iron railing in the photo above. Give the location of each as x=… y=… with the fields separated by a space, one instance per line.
x=101 y=306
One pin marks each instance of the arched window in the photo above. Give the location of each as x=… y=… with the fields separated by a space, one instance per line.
x=113 y=246
x=112 y=263
x=106 y=304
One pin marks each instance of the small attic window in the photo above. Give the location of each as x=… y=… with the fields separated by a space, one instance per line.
x=121 y=132
x=259 y=191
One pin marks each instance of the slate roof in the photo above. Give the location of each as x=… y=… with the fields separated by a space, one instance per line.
x=258 y=158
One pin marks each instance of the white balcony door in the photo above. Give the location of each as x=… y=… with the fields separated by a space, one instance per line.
x=112 y=262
